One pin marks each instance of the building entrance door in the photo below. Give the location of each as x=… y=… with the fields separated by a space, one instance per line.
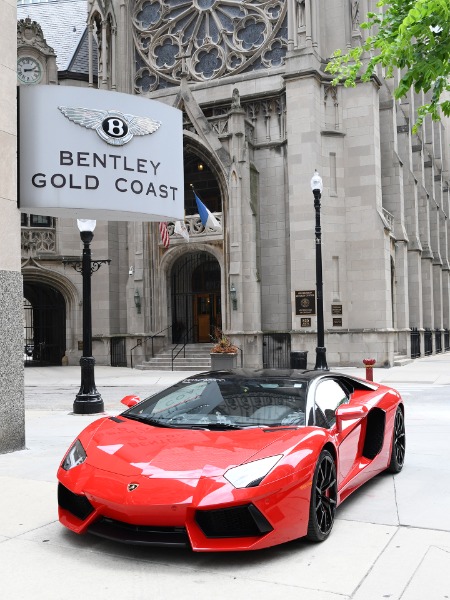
x=207 y=316
x=44 y=325
x=196 y=307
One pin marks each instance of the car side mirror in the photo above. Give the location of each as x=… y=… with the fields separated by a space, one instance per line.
x=349 y=413
x=130 y=401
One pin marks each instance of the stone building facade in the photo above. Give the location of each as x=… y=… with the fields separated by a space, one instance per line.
x=260 y=115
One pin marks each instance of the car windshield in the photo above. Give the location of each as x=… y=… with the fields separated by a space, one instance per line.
x=215 y=403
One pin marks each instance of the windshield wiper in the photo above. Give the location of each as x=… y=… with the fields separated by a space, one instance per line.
x=182 y=424
x=219 y=426
x=149 y=421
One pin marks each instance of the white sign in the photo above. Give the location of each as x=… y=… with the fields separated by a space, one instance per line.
x=100 y=155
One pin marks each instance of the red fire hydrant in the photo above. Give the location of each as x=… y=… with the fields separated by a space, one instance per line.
x=369 y=362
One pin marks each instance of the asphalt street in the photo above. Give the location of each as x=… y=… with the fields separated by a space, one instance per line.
x=391 y=538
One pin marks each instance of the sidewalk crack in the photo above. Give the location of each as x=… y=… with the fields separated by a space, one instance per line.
x=419 y=565
x=395 y=500
x=380 y=554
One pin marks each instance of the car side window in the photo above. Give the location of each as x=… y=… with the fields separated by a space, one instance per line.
x=329 y=395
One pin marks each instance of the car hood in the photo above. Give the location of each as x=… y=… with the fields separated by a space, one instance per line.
x=128 y=447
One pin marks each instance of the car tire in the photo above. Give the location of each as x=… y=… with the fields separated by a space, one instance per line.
x=322 y=506
x=398 y=443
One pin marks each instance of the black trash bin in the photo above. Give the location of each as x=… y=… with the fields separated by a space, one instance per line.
x=299 y=360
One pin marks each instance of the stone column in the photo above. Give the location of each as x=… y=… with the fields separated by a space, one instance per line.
x=292 y=23
x=411 y=214
x=353 y=233
x=445 y=268
x=394 y=202
x=245 y=321
x=415 y=288
x=303 y=121
x=90 y=54
x=113 y=57
x=125 y=58
x=104 y=56
x=446 y=298
x=437 y=295
x=308 y=22
x=12 y=419
x=427 y=258
x=437 y=269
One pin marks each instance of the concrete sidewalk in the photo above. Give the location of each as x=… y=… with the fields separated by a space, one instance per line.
x=55 y=388
x=430 y=369
x=391 y=539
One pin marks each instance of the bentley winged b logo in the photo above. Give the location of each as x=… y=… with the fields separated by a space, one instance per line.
x=112 y=126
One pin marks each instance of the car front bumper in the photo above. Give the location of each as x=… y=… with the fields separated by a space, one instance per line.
x=206 y=514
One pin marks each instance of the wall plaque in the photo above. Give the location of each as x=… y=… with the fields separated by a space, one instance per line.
x=305 y=302
x=337 y=322
x=305 y=322
x=336 y=309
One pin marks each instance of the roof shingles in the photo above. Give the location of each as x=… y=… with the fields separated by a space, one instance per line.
x=63 y=23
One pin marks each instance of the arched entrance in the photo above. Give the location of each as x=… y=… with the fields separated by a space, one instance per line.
x=44 y=325
x=196 y=301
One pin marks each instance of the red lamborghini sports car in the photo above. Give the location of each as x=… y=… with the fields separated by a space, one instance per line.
x=231 y=460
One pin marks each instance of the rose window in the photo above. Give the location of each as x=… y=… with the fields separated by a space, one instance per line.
x=205 y=39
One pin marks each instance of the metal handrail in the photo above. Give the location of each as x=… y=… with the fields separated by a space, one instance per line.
x=242 y=355
x=183 y=348
x=139 y=343
x=150 y=337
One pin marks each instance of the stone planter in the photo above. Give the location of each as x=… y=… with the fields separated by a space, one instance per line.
x=223 y=361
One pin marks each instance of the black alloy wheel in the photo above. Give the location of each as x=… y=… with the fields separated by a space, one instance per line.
x=322 y=506
x=398 y=443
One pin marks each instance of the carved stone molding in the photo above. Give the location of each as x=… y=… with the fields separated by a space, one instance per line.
x=29 y=33
x=196 y=229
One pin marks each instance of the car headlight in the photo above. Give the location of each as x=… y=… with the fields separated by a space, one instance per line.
x=251 y=474
x=74 y=457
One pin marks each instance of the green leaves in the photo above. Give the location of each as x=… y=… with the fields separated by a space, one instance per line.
x=410 y=38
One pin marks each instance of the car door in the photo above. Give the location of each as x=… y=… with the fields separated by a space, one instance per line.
x=329 y=395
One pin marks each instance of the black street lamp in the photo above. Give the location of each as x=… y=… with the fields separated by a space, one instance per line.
x=321 y=356
x=88 y=401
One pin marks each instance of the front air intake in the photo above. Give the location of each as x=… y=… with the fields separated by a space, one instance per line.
x=239 y=521
x=76 y=504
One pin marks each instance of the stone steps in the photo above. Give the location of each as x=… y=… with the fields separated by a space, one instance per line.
x=195 y=358
x=400 y=360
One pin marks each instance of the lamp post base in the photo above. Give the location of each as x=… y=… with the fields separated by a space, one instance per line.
x=88 y=404
x=88 y=401
x=321 y=359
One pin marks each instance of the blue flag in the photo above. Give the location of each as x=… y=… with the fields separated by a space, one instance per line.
x=208 y=219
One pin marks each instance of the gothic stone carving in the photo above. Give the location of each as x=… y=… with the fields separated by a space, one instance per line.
x=205 y=39
x=29 y=33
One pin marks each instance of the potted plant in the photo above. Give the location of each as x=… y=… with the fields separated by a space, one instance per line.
x=223 y=353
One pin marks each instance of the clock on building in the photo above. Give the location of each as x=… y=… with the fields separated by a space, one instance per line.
x=29 y=70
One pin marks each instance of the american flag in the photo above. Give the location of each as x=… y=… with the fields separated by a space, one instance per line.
x=164 y=234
